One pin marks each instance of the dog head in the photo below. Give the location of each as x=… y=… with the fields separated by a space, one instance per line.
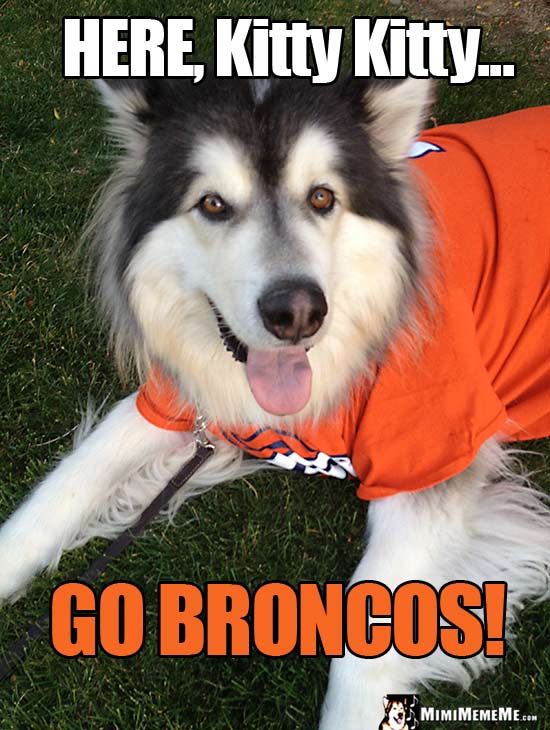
x=257 y=238
x=396 y=713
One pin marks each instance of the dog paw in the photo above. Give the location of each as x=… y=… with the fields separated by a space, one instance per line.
x=17 y=566
x=12 y=587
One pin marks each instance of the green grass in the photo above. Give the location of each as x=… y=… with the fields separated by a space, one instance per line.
x=53 y=353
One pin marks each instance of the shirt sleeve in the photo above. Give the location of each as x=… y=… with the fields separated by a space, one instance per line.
x=159 y=402
x=429 y=411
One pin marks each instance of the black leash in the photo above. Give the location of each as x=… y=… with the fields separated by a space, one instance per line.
x=204 y=449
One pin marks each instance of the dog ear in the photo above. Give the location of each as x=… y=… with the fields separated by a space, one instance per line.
x=132 y=105
x=386 y=702
x=394 y=111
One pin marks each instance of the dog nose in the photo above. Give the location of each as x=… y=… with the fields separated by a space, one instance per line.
x=292 y=310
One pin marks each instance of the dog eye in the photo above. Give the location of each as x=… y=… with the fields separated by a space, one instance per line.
x=321 y=199
x=214 y=206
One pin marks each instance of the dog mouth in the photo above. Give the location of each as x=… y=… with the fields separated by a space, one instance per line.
x=237 y=348
x=280 y=378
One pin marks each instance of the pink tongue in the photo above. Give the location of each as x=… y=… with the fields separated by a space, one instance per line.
x=280 y=380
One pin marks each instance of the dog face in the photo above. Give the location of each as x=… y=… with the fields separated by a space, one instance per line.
x=257 y=238
x=396 y=714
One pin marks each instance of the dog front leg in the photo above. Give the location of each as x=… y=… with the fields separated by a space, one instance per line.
x=54 y=515
x=482 y=525
x=403 y=541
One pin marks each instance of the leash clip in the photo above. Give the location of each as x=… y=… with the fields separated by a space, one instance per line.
x=199 y=432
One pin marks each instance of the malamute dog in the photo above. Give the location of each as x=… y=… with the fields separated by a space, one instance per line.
x=333 y=295
x=395 y=715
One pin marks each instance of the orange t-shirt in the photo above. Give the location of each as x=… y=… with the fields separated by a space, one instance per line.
x=485 y=367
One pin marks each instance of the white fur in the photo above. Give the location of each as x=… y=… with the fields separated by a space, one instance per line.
x=395 y=115
x=305 y=167
x=101 y=488
x=224 y=169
